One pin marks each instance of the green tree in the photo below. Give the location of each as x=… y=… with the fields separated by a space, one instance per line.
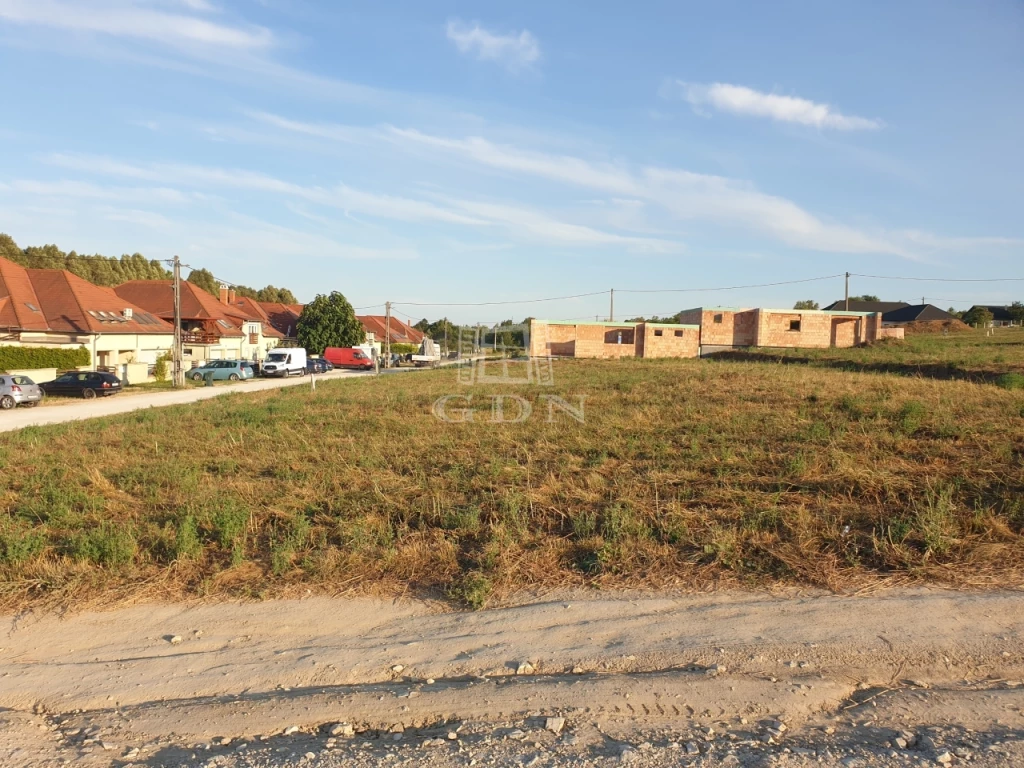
x=1017 y=313
x=203 y=278
x=806 y=304
x=979 y=316
x=865 y=297
x=328 y=321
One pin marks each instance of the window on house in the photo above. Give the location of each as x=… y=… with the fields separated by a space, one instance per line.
x=657 y=332
x=718 y=318
x=794 y=325
x=678 y=333
x=33 y=307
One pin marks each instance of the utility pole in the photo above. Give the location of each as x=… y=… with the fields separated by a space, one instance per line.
x=387 y=334
x=177 y=372
x=847 y=291
x=611 y=306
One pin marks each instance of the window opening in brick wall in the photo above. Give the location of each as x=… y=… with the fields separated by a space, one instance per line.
x=718 y=318
x=794 y=325
x=678 y=333
x=657 y=332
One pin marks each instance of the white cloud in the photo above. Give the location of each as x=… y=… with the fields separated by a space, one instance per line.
x=86 y=191
x=740 y=100
x=140 y=218
x=516 y=51
x=518 y=220
x=684 y=194
x=122 y=18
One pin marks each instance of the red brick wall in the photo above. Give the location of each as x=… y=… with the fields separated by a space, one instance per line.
x=668 y=344
x=736 y=329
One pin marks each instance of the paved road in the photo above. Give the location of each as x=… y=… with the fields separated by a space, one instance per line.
x=108 y=406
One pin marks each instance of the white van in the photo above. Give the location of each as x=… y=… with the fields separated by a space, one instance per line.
x=285 y=361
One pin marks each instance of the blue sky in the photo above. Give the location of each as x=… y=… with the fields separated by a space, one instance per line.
x=444 y=151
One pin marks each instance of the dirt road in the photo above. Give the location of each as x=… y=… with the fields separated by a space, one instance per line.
x=77 y=410
x=724 y=679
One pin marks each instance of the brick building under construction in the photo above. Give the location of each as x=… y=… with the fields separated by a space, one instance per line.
x=703 y=330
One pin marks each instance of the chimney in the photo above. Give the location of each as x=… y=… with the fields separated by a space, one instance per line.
x=223 y=294
x=231 y=295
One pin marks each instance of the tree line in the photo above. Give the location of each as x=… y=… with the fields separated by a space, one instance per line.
x=204 y=278
x=109 y=271
x=97 y=269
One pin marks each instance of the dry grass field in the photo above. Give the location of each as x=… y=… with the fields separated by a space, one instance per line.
x=683 y=473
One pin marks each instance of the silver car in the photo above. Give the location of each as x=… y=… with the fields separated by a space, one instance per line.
x=18 y=390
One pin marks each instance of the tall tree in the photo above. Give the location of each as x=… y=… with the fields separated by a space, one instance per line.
x=1017 y=313
x=329 y=321
x=865 y=297
x=203 y=278
x=806 y=304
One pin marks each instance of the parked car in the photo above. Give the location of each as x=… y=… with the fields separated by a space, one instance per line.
x=18 y=390
x=285 y=361
x=316 y=365
x=348 y=357
x=87 y=384
x=230 y=370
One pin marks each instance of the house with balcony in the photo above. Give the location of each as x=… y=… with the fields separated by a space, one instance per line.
x=212 y=328
x=55 y=308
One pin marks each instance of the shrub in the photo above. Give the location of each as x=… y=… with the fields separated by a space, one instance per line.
x=161 y=369
x=109 y=545
x=27 y=358
x=20 y=544
x=187 y=543
x=473 y=589
x=404 y=349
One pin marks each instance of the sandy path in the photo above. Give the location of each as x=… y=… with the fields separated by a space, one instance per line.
x=245 y=669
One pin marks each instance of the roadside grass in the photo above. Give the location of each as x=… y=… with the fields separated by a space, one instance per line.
x=684 y=473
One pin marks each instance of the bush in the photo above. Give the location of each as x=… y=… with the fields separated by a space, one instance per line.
x=160 y=370
x=27 y=358
x=404 y=349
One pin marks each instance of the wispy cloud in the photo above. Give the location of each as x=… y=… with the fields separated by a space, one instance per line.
x=123 y=18
x=741 y=100
x=517 y=220
x=684 y=194
x=515 y=50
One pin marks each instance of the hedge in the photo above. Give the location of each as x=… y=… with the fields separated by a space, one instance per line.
x=27 y=358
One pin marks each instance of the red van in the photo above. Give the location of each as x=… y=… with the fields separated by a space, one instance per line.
x=348 y=357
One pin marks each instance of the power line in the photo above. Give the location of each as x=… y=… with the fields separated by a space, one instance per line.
x=944 y=279
x=493 y=303
x=726 y=288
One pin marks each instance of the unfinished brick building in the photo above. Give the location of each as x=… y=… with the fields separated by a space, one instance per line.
x=724 y=327
x=553 y=338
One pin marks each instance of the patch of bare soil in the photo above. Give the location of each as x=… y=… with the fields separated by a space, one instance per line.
x=720 y=679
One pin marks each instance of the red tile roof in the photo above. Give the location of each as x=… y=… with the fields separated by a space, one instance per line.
x=401 y=333
x=71 y=304
x=19 y=304
x=283 y=317
x=252 y=311
x=197 y=306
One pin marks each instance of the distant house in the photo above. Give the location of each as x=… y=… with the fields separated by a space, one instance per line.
x=865 y=306
x=53 y=307
x=401 y=333
x=212 y=329
x=1000 y=314
x=914 y=313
